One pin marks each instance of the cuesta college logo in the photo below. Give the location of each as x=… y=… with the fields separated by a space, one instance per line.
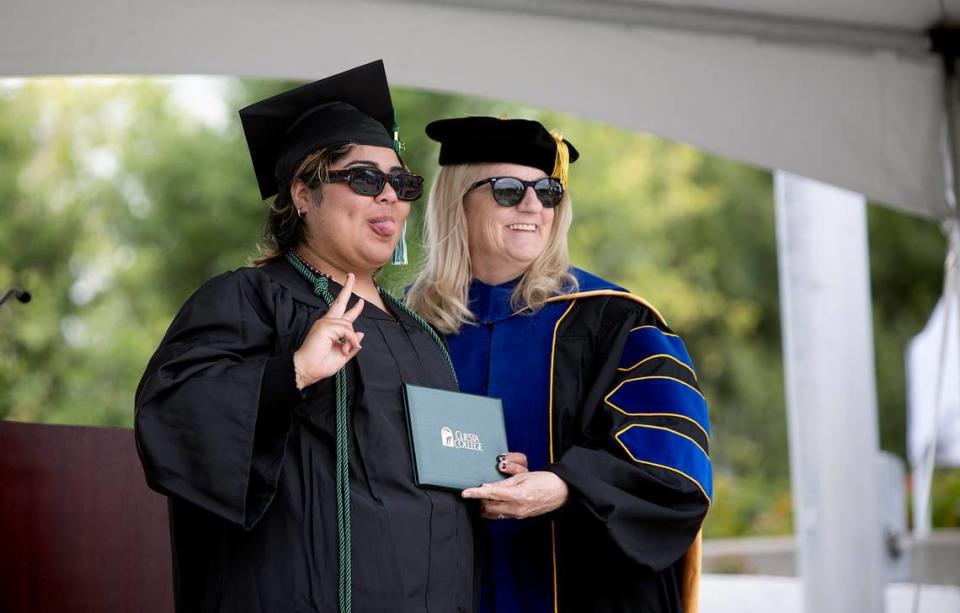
x=460 y=440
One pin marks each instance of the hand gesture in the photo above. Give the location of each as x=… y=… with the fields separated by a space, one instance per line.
x=331 y=341
x=524 y=495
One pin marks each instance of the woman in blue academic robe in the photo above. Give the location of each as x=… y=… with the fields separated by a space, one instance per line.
x=609 y=478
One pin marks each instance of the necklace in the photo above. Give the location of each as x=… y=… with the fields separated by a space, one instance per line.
x=303 y=260
x=320 y=273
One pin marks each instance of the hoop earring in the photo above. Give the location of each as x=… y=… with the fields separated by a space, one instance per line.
x=300 y=213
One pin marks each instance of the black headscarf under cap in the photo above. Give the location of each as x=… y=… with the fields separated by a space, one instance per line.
x=350 y=107
x=478 y=140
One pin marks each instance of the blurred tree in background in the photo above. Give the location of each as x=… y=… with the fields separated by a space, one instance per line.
x=119 y=198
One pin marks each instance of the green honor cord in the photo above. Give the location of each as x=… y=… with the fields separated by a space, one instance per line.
x=342 y=469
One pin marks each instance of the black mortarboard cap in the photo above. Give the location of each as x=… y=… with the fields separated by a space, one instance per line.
x=473 y=140
x=350 y=107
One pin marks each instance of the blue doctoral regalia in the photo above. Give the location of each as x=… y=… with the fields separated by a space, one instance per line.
x=597 y=389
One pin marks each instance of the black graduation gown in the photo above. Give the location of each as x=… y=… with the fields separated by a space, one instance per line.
x=247 y=461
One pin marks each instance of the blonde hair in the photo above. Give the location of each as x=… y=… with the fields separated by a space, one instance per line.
x=440 y=291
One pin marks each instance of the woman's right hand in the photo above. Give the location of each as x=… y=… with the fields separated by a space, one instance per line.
x=331 y=341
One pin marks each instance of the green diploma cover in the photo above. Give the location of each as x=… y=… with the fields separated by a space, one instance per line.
x=455 y=438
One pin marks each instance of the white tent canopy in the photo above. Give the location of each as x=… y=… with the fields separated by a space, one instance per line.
x=843 y=91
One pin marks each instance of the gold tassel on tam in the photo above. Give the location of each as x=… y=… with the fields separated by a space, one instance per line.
x=561 y=166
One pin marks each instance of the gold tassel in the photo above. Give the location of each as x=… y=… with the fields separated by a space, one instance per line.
x=561 y=164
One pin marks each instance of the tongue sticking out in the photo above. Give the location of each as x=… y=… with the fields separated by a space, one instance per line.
x=383 y=227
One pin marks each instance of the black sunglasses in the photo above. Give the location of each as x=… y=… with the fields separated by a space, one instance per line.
x=371 y=181
x=509 y=191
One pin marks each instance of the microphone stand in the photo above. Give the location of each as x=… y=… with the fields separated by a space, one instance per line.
x=19 y=293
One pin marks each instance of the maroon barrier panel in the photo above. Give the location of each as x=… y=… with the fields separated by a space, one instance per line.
x=79 y=530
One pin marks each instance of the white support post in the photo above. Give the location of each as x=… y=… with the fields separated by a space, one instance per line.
x=831 y=394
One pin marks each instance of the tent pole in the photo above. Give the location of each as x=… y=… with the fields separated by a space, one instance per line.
x=945 y=42
x=831 y=394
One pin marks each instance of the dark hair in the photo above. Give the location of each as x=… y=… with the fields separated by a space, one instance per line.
x=284 y=229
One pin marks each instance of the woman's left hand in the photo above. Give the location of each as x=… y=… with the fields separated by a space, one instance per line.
x=525 y=495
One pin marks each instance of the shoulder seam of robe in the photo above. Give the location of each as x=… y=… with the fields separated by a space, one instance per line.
x=608 y=292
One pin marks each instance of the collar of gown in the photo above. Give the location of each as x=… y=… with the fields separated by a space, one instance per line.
x=491 y=303
x=283 y=273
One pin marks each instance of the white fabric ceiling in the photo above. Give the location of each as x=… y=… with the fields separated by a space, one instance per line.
x=839 y=90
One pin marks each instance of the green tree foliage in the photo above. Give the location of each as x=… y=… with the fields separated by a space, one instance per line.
x=118 y=203
x=906 y=265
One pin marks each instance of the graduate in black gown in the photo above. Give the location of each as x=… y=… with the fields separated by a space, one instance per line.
x=609 y=474
x=271 y=414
